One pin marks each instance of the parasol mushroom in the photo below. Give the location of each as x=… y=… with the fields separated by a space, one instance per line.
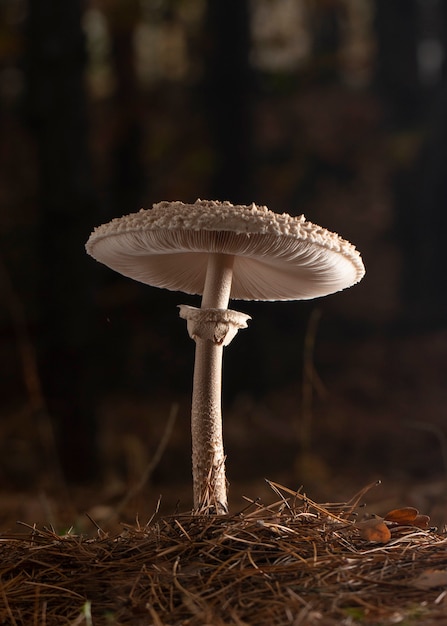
x=222 y=252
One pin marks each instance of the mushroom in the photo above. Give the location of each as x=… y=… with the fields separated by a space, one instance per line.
x=222 y=252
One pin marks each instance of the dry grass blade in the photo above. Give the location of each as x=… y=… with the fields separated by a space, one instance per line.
x=292 y=562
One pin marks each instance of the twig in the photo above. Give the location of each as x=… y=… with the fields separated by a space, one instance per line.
x=24 y=344
x=151 y=465
x=36 y=399
x=296 y=494
x=310 y=382
x=8 y=608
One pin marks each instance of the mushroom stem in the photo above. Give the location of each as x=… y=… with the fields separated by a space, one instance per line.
x=208 y=458
x=211 y=329
x=219 y=274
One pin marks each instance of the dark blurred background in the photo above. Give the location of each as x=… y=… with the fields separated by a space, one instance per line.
x=332 y=108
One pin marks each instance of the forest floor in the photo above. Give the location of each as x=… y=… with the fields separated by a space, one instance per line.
x=291 y=562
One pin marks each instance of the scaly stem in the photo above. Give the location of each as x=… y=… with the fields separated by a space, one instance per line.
x=208 y=459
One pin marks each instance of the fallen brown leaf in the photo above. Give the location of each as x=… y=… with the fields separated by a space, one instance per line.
x=403 y=516
x=374 y=530
x=431 y=578
x=407 y=516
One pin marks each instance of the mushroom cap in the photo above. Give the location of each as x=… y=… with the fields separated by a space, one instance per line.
x=276 y=257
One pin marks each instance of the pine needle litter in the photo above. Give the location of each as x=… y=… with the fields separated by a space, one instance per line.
x=291 y=562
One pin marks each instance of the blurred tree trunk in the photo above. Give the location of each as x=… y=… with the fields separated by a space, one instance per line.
x=57 y=114
x=227 y=93
x=429 y=264
x=397 y=69
x=417 y=112
x=128 y=178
